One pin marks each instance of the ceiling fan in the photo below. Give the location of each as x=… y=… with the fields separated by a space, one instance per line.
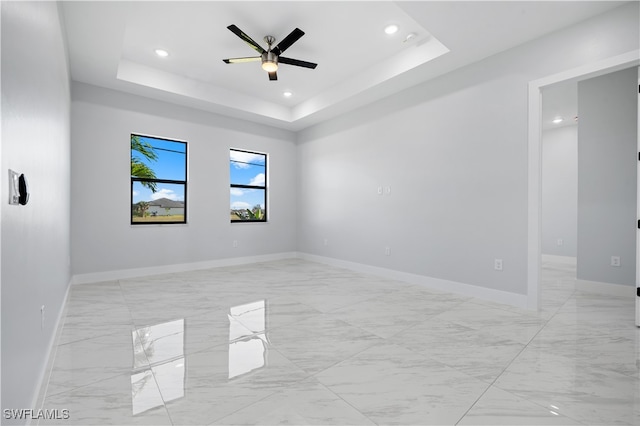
x=271 y=57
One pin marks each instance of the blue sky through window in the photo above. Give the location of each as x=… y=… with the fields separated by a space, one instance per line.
x=247 y=168
x=170 y=164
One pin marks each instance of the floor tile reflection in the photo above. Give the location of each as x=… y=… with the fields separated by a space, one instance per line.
x=297 y=342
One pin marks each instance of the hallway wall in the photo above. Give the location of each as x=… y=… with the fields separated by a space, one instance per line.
x=560 y=191
x=607 y=164
x=35 y=237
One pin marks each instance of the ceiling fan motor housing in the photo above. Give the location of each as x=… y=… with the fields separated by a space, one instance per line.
x=269 y=57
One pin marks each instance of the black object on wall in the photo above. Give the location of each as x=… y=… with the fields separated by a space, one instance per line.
x=23 y=190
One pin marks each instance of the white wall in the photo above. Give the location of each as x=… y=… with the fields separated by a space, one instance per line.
x=607 y=164
x=560 y=191
x=35 y=237
x=103 y=239
x=454 y=153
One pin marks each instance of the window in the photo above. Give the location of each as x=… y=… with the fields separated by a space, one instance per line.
x=158 y=180
x=248 y=172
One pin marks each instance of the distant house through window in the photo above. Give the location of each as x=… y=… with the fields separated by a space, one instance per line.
x=158 y=180
x=248 y=192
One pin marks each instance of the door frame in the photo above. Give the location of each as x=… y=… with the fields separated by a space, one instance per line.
x=638 y=216
x=534 y=198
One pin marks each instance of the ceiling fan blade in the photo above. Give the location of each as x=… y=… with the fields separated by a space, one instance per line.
x=288 y=41
x=237 y=31
x=273 y=76
x=240 y=60
x=297 y=62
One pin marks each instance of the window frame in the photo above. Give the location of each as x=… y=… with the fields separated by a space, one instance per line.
x=166 y=181
x=245 y=186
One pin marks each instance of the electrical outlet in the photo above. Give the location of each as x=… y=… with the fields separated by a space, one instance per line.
x=387 y=251
x=560 y=242
x=380 y=190
x=387 y=190
x=497 y=264
x=615 y=261
x=235 y=243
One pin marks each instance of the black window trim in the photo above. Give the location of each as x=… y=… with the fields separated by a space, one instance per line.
x=237 y=185
x=169 y=181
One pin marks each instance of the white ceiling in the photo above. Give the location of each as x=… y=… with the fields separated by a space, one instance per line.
x=111 y=44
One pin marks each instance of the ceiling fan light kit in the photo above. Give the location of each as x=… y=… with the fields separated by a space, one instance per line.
x=270 y=58
x=270 y=65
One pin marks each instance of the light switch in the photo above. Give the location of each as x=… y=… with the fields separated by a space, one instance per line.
x=14 y=191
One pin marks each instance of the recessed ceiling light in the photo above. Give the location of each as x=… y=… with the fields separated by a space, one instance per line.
x=287 y=94
x=557 y=120
x=162 y=53
x=391 y=29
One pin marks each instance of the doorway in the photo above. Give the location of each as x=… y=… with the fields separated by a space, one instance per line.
x=536 y=87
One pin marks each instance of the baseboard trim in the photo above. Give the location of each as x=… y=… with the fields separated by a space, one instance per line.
x=45 y=374
x=565 y=260
x=513 y=299
x=499 y=296
x=120 y=274
x=606 y=288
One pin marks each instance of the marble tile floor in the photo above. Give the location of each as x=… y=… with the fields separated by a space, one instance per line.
x=297 y=342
